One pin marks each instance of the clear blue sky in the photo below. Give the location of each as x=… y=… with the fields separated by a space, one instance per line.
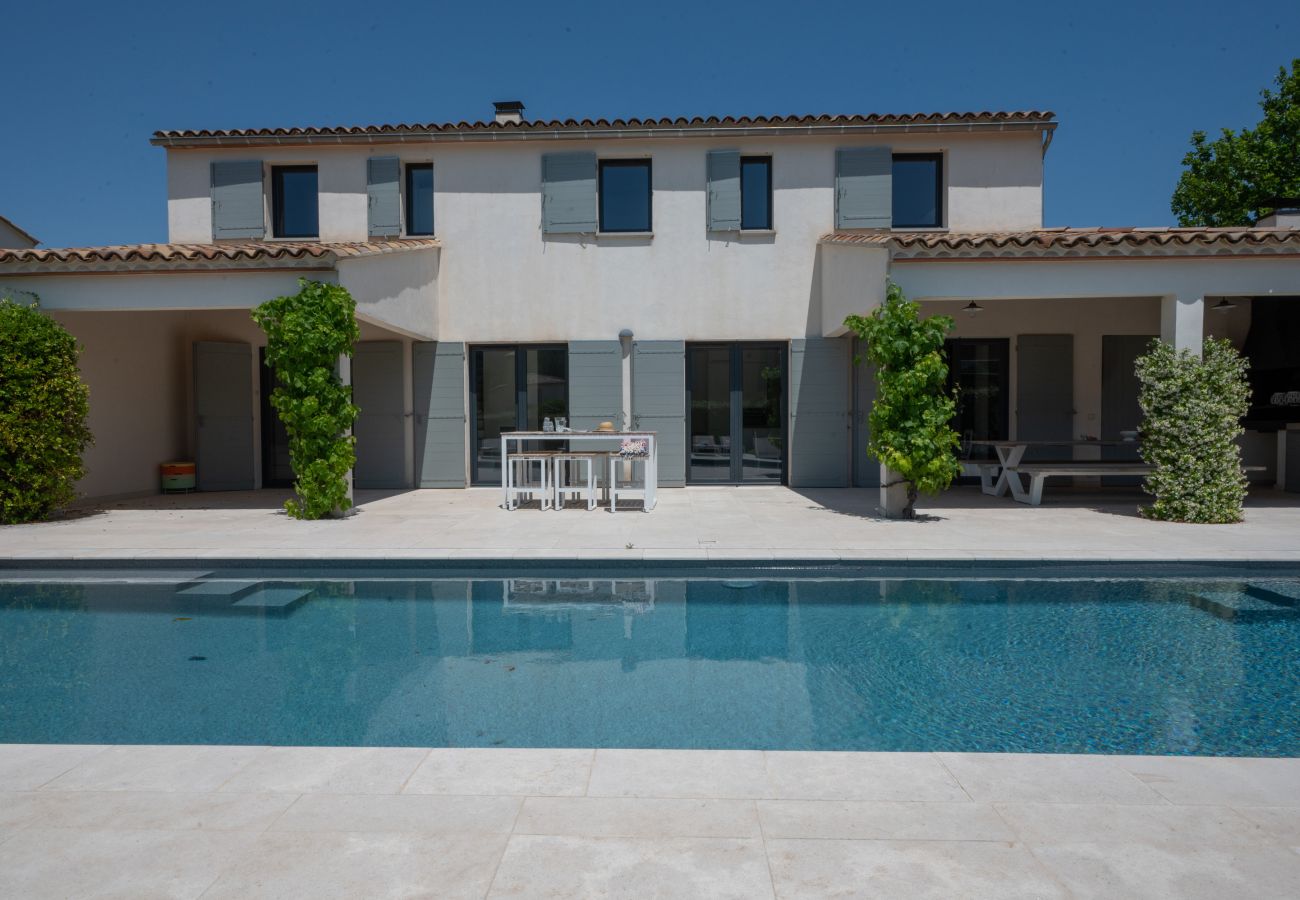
x=1129 y=82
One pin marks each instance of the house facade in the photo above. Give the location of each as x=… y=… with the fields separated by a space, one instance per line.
x=689 y=277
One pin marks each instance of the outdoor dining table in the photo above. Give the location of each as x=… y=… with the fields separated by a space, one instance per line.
x=587 y=437
x=1011 y=453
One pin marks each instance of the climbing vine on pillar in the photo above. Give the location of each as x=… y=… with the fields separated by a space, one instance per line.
x=306 y=335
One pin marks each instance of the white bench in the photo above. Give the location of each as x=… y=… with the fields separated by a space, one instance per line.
x=1038 y=473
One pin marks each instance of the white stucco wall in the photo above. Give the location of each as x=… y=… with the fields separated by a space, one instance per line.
x=12 y=237
x=500 y=279
x=135 y=365
x=94 y=291
x=397 y=290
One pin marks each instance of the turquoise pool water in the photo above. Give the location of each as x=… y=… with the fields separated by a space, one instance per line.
x=609 y=659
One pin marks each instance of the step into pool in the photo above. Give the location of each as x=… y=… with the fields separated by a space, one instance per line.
x=619 y=658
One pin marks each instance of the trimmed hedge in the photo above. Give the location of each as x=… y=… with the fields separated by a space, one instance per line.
x=1192 y=408
x=43 y=409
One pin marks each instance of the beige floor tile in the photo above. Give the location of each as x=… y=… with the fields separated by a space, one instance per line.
x=714 y=774
x=669 y=868
x=888 y=820
x=859 y=776
x=160 y=768
x=1281 y=822
x=342 y=770
x=538 y=772
x=1084 y=823
x=637 y=817
x=68 y=862
x=1143 y=871
x=142 y=810
x=1220 y=781
x=411 y=813
x=323 y=865
x=907 y=869
x=25 y=767
x=1042 y=778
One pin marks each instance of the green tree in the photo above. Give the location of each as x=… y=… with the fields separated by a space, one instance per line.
x=1232 y=181
x=43 y=409
x=911 y=430
x=1192 y=408
x=306 y=333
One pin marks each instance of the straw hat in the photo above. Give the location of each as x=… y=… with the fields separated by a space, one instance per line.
x=605 y=426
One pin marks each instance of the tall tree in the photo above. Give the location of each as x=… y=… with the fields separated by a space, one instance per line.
x=1233 y=180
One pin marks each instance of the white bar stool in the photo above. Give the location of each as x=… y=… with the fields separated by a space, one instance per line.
x=583 y=486
x=519 y=484
x=615 y=488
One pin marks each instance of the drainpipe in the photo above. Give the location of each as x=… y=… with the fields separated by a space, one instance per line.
x=625 y=341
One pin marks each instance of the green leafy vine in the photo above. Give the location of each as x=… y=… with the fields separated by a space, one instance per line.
x=306 y=335
x=911 y=430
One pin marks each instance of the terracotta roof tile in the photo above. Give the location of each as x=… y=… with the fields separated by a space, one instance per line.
x=580 y=126
x=266 y=254
x=1075 y=242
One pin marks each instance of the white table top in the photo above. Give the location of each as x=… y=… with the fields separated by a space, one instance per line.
x=534 y=435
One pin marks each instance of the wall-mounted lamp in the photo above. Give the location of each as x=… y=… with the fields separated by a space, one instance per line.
x=625 y=334
x=1224 y=305
x=972 y=309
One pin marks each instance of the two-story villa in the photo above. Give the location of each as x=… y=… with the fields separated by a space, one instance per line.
x=689 y=277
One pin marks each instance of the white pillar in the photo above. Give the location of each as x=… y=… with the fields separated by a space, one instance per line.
x=345 y=376
x=1182 y=321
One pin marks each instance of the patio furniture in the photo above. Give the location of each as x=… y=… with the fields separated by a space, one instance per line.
x=617 y=486
x=1038 y=473
x=574 y=475
x=996 y=478
x=513 y=441
x=516 y=474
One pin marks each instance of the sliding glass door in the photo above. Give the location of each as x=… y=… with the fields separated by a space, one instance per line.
x=735 y=395
x=513 y=388
x=980 y=370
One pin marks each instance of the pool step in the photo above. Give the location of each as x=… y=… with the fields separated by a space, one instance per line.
x=227 y=589
x=1246 y=604
x=277 y=597
x=234 y=596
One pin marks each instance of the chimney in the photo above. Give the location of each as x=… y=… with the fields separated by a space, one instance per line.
x=1285 y=214
x=509 y=112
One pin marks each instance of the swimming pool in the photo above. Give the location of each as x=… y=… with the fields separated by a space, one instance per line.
x=621 y=658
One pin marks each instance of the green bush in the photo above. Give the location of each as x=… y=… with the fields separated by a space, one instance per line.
x=1192 y=408
x=911 y=430
x=43 y=408
x=306 y=333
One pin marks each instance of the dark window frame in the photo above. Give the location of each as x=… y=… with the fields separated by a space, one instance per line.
x=940 y=200
x=408 y=199
x=625 y=163
x=277 y=199
x=521 y=394
x=766 y=158
x=735 y=350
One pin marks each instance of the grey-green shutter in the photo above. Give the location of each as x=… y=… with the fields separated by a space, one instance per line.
x=237 y=207
x=866 y=468
x=723 y=200
x=380 y=427
x=863 y=187
x=438 y=370
x=1044 y=392
x=820 y=412
x=659 y=403
x=595 y=384
x=569 y=193
x=383 y=175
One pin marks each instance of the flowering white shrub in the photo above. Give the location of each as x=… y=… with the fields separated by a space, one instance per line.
x=1192 y=408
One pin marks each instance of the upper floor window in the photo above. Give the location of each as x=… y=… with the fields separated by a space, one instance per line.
x=918 y=190
x=756 y=193
x=419 y=198
x=294 y=210
x=625 y=195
